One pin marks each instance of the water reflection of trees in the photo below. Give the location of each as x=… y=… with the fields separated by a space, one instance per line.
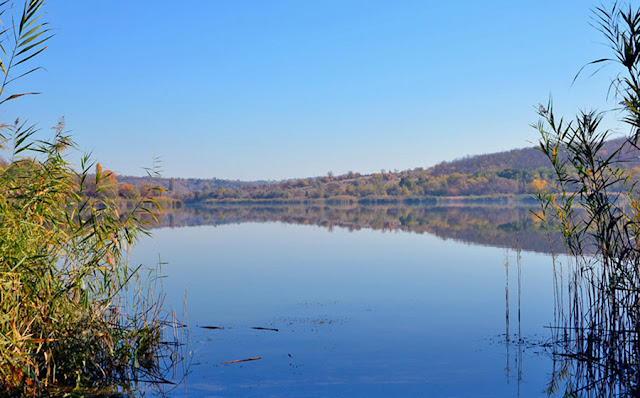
x=497 y=226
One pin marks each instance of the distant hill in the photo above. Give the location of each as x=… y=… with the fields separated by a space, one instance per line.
x=179 y=187
x=515 y=172
x=524 y=159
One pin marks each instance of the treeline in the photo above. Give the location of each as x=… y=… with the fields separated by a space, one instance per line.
x=515 y=172
x=350 y=187
x=381 y=186
x=187 y=188
x=106 y=184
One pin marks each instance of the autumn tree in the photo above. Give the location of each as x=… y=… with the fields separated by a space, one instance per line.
x=106 y=182
x=128 y=191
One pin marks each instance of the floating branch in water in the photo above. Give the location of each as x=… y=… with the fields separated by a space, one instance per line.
x=241 y=360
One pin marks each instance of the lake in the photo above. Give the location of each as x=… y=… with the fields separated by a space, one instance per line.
x=359 y=302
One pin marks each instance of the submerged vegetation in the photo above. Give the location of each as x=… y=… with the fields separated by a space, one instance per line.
x=74 y=317
x=597 y=326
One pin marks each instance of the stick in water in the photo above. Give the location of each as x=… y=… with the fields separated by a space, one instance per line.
x=241 y=360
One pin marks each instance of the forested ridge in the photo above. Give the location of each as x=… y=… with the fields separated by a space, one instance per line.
x=509 y=173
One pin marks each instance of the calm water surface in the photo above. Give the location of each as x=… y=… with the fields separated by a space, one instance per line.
x=359 y=313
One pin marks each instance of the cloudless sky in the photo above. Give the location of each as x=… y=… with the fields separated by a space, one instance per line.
x=289 y=88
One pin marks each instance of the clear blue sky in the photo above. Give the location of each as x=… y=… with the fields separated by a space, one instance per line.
x=282 y=89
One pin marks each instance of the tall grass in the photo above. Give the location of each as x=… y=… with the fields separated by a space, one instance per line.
x=68 y=318
x=74 y=316
x=598 y=285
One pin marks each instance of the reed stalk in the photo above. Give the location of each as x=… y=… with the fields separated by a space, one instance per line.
x=593 y=203
x=75 y=317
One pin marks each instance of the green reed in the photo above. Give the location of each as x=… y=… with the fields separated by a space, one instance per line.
x=74 y=316
x=594 y=204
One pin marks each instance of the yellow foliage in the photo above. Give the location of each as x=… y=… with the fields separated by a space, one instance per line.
x=538 y=185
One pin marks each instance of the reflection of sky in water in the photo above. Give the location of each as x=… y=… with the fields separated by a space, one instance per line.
x=359 y=313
